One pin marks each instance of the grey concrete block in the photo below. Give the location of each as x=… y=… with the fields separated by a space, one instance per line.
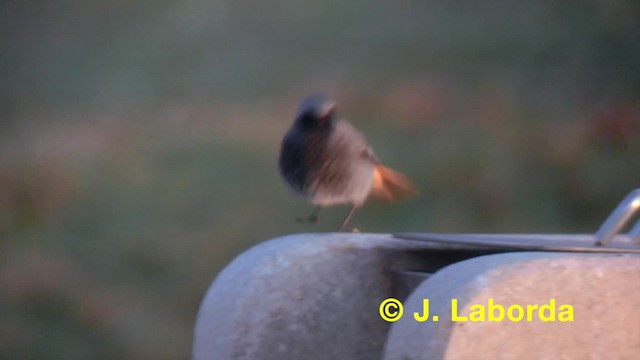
x=604 y=291
x=306 y=297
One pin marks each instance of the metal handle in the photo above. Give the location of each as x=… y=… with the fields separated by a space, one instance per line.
x=619 y=218
x=634 y=234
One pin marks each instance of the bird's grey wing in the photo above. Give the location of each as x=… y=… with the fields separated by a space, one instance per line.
x=368 y=154
x=357 y=141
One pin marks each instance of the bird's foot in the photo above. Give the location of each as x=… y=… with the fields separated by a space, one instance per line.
x=311 y=219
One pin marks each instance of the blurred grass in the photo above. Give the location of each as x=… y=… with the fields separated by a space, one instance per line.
x=139 y=140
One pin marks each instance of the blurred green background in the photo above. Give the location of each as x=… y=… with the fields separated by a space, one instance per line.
x=139 y=141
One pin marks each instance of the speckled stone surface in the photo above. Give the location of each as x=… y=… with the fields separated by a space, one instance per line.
x=604 y=291
x=309 y=296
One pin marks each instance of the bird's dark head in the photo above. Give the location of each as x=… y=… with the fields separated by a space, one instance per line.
x=316 y=112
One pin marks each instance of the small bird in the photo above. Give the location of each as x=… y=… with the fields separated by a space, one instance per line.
x=329 y=161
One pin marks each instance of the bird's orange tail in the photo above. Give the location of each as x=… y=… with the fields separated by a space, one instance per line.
x=389 y=185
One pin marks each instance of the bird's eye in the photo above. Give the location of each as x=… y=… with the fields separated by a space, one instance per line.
x=314 y=119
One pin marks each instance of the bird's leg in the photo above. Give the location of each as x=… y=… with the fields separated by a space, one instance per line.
x=348 y=217
x=313 y=217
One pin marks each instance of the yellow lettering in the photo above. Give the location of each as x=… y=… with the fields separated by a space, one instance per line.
x=492 y=307
x=567 y=314
x=477 y=313
x=551 y=307
x=425 y=312
x=454 y=311
x=530 y=309
x=513 y=317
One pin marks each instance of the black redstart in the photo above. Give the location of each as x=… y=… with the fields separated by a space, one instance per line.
x=329 y=161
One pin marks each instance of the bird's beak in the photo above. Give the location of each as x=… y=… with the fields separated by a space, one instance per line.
x=327 y=108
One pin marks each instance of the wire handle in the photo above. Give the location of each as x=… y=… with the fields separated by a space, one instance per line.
x=619 y=218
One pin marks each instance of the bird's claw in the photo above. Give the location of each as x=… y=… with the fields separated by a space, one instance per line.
x=312 y=219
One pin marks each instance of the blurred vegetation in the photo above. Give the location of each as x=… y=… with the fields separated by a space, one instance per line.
x=138 y=141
